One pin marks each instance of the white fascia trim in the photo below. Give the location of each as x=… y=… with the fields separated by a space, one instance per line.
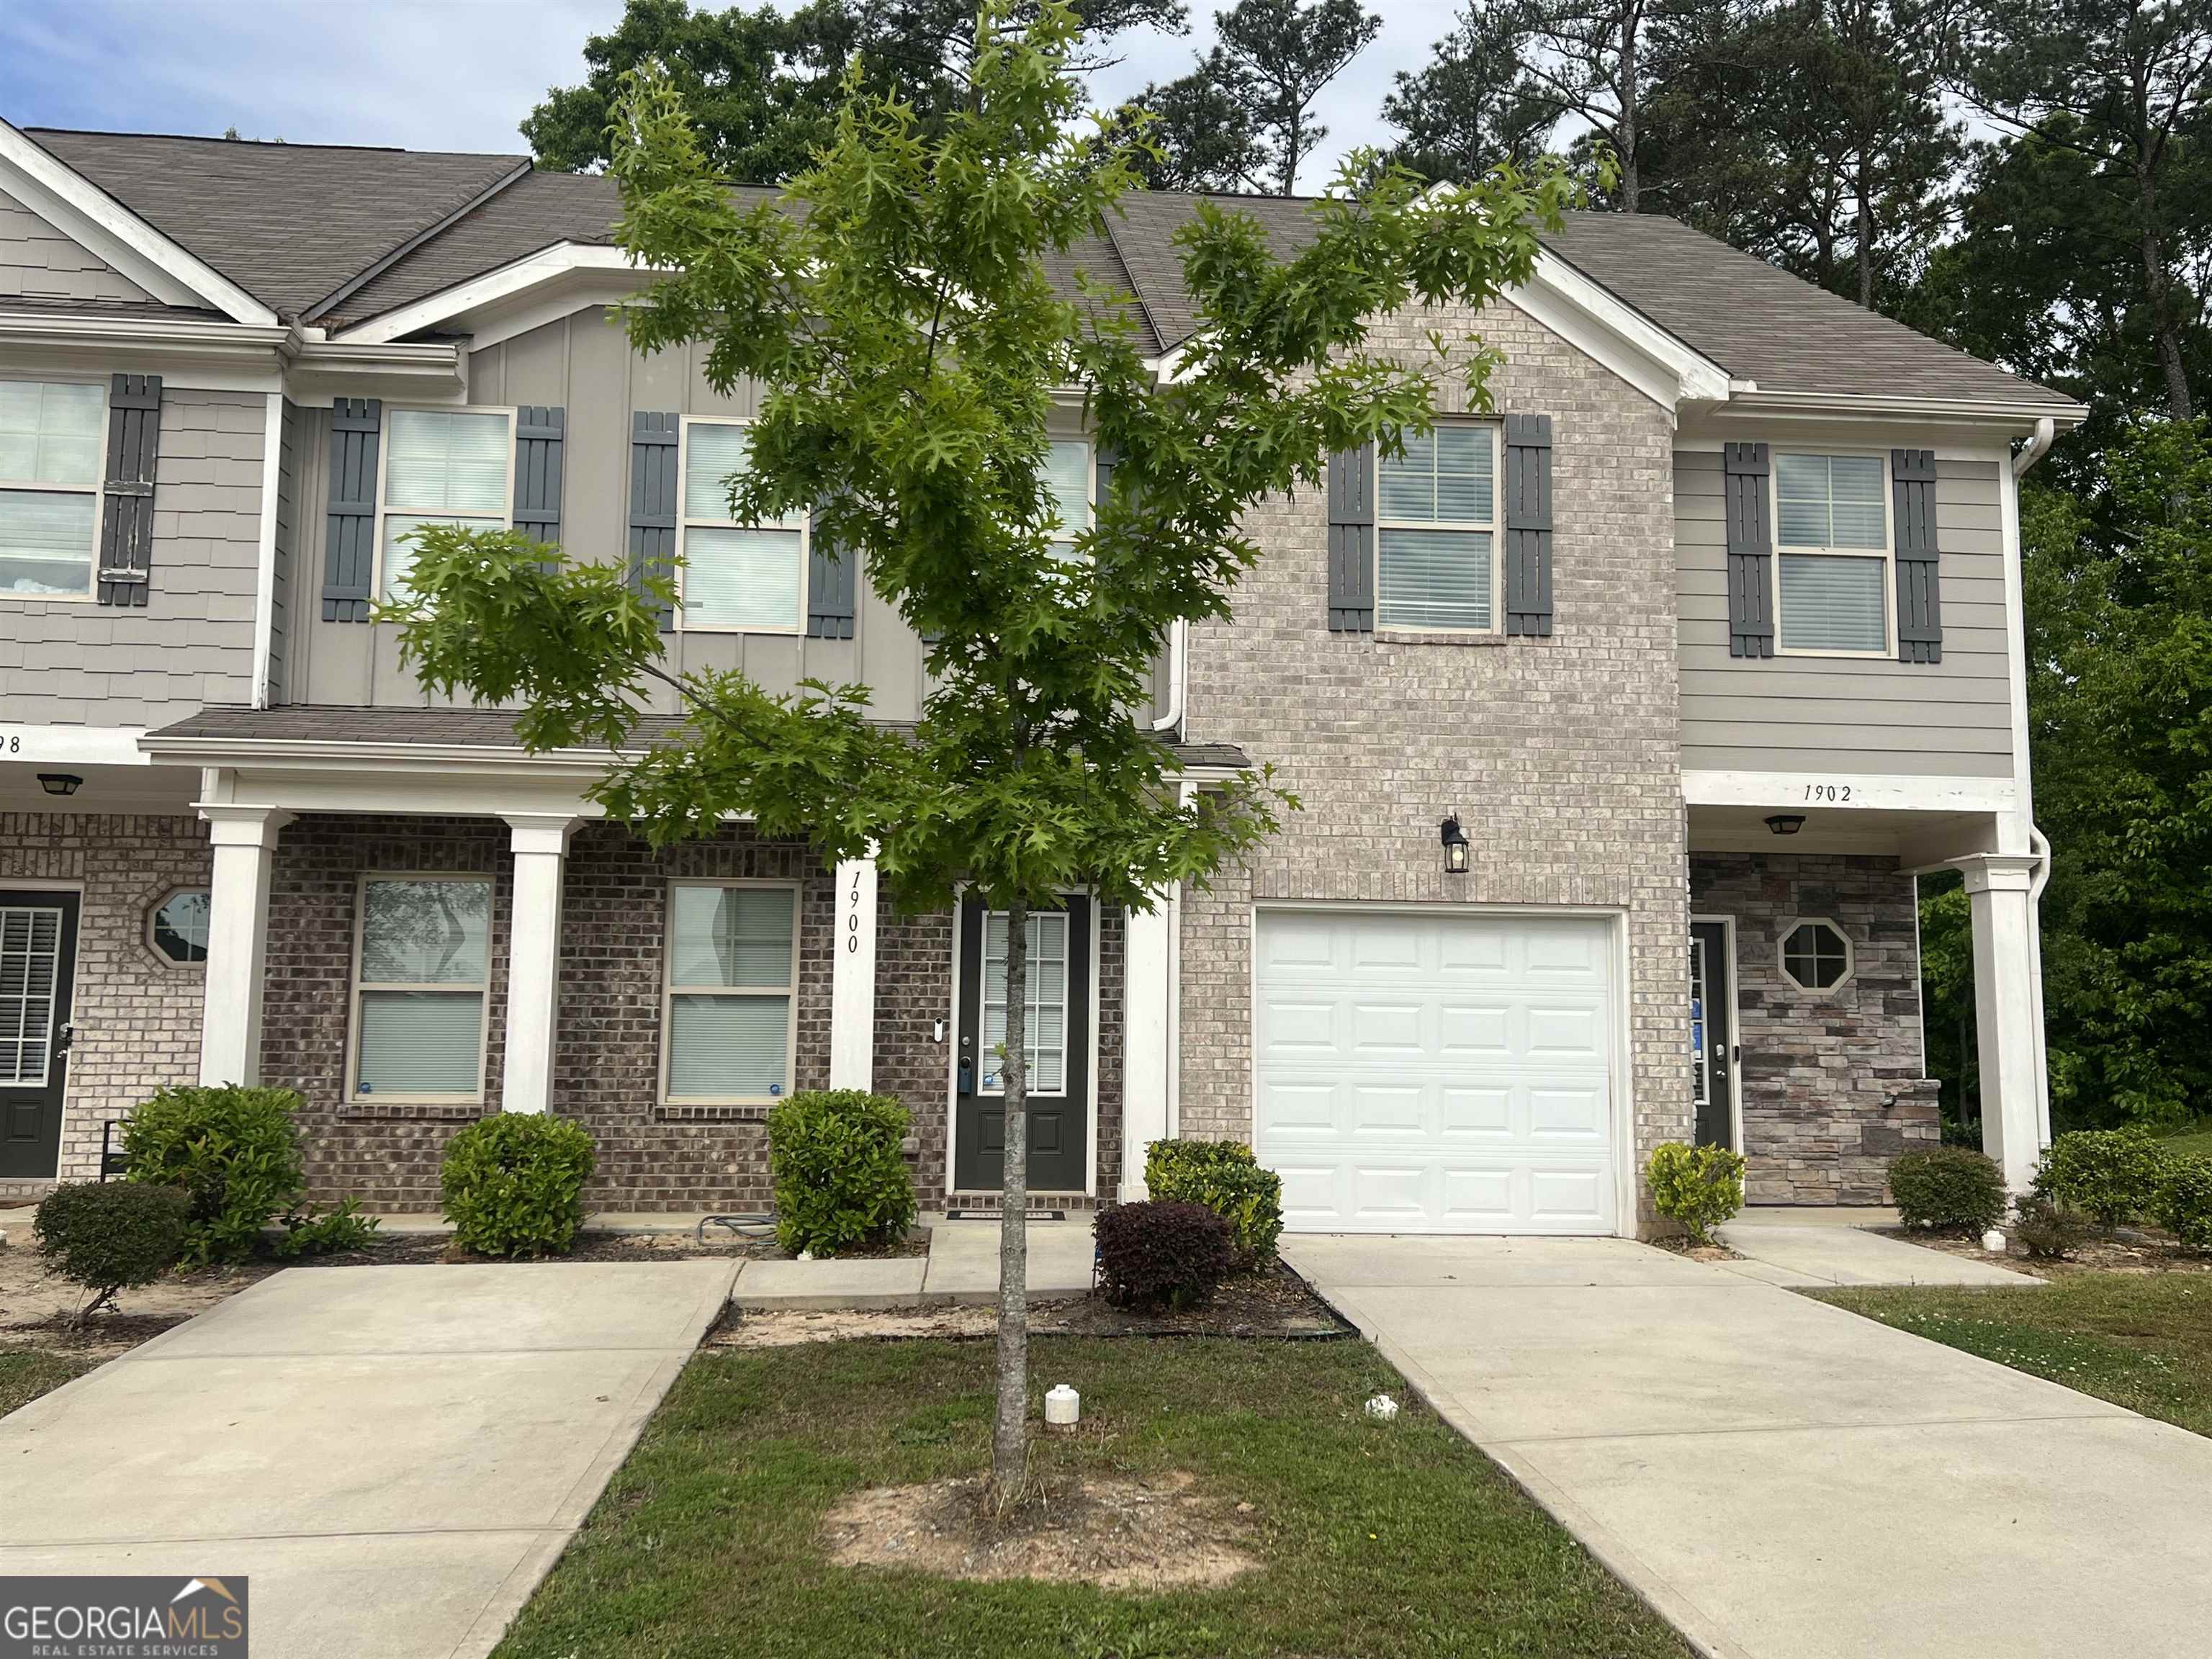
x=547 y=264
x=426 y=371
x=1662 y=367
x=2019 y=411
x=1873 y=791
x=318 y=755
x=264 y=562
x=80 y=745
x=89 y=216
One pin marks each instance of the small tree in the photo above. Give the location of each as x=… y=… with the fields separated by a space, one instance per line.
x=896 y=312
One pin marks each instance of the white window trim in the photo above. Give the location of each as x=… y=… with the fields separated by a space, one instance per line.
x=1090 y=493
x=504 y=520
x=1066 y=1003
x=669 y=990
x=1782 y=954
x=98 y=491
x=1494 y=529
x=1887 y=554
x=482 y=989
x=684 y=521
x=153 y=914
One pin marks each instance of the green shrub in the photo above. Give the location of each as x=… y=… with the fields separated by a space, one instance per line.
x=841 y=1179
x=112 y=1235
x=1223 y=1176
x=1699 y=1187
x=513 y=1183
x=344 y=1228
x=2046 y=1228
x=1948 y=1186
x=2184 y=1201
x=1159 y=1252
x=2113 y=1174
x=235 y=1153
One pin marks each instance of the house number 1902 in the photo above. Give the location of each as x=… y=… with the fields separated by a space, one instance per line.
x=1835 y=794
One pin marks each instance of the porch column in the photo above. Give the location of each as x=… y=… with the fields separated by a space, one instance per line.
x=540 y=842
x=853 y=979
x=1147 y=1047
x=2008 y=967
x=245 y=842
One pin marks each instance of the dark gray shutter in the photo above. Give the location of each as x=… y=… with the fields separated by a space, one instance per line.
x=126 y=533
x=1351 y=541
x=1101 y=473
x=1528 y=524
x=1919 y=596
x=349 y=544
x=539 y=436
x=832 y=582
x=654 y=491
x=1750 y=551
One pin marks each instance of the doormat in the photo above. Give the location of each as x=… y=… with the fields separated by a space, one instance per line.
x=993 y=1215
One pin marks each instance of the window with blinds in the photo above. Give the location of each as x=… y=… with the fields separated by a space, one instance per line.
x=1067 y=476
x=1832 y=554
x=741 y=577
x=50 y=438
x=1436 y=531
x=1045 y=1047
x=423 y=965
x=441 y=467
x=732 y=990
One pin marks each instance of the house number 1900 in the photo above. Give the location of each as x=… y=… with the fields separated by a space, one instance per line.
x=853 y=918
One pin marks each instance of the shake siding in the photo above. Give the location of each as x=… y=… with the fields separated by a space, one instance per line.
x=1950 y=719
x=37 y=262
x=68 y=662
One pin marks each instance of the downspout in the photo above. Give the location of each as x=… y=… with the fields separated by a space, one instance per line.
x=265 y=561
x=2038 y=446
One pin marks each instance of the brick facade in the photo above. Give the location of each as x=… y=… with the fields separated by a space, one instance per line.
x=137 y=1016
x=1832 y=1080
x=1560 y=756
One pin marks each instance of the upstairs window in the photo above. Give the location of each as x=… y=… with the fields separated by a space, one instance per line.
x=740 y=577
x=1832 y=520
x=50 y=475
x=1436 y=531
x=442 y=467
x=1068 y=474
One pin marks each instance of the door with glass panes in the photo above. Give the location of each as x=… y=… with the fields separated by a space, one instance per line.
x=38 y=963
x=1059 y=1049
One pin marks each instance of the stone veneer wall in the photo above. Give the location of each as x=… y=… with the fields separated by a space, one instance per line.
x=137 y=1016
x=1832 y=1081
x=1560 y=756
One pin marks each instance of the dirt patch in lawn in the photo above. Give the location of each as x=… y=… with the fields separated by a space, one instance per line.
x=1681 y=1245
x=2123 y=1251
x=1118 y=1533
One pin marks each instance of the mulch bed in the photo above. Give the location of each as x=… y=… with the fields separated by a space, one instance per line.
x=2121 y=1250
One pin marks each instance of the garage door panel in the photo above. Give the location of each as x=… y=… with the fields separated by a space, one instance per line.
x=1440 y=1073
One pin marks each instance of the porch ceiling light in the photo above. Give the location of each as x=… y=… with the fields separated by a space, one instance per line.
x=1786 y=824
x=1455 y=840
x=60 y=783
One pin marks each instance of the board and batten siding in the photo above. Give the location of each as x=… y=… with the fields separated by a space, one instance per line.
x=38 y=262
x=68 y=662
x=1952 y=719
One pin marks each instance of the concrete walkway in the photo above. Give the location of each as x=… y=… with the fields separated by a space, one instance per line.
x=1783 y=1479
x=394 y=1456
x=1804 y=1250
x=961 y=1265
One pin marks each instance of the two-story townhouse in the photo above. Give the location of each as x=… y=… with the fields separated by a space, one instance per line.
x=1623 y=715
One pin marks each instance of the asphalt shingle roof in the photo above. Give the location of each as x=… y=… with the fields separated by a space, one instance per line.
x=294 y=223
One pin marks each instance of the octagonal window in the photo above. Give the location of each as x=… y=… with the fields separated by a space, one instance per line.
x=178 y=929
x=1816 y=956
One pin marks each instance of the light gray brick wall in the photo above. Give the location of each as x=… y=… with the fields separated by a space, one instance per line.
x=37 y=262
x=1561 y=756
x=71 y=662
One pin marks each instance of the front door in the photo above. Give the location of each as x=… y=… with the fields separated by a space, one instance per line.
x=1058 y=1050
x=1712 y=1053
x=38 y=965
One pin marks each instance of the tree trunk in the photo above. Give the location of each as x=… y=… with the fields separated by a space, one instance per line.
x=1624 y=129
x=1865 y=191
x=1293 y=142
x=2158 y=290
x=1010 y=1435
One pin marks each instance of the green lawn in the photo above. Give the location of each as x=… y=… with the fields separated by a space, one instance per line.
x=26 y=1375
x=2141 y=1341
x=1377 y=1540
x=2197 y=1141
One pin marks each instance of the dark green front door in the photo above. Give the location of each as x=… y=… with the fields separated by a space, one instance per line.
x=37 y=963
x=1059 y=1048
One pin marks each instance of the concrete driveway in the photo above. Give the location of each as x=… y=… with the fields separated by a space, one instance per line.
x=1784 y=1479
x=394 y=1456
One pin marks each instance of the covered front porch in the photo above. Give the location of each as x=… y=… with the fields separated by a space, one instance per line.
x=1809 y=1053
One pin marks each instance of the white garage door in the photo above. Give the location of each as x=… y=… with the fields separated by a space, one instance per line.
x=1442 y=1073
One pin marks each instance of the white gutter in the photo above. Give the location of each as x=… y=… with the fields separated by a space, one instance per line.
x=1178 y=652
x=2036 y=447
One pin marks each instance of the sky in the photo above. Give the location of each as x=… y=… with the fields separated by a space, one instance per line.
x=456 y=75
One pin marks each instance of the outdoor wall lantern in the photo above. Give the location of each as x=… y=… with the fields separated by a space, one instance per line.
x=60 y=783
x=1786 y=824
x=1455 y=840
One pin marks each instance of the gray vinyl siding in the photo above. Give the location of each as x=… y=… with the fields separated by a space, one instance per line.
x=37 y=262
x=64 y=663
x=285 y=574
x=1814 y=714
x=584 y=363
